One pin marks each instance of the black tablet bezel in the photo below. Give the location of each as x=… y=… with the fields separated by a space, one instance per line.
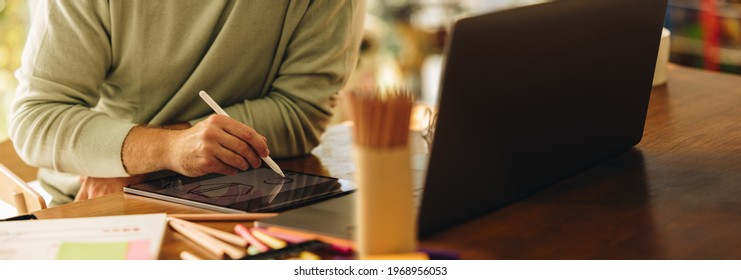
x=150 y=189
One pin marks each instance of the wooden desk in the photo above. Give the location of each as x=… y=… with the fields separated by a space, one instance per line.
x=677 y=195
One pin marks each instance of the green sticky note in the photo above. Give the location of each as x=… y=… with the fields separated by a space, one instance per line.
x=92 y=251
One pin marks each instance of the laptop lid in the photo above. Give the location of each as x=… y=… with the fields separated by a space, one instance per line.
x=533 y=95
x=529 y=96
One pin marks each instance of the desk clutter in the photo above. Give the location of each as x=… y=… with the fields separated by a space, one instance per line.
x=139 y=237
x=250 y=243
x=274 y=243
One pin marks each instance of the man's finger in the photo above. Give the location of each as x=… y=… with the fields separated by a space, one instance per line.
x=248 y=135
x=82 y=194
x=237 y=153
x=225 y=170
x=230 y=158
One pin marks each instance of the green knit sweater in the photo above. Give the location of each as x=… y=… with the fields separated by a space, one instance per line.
x=92 y=70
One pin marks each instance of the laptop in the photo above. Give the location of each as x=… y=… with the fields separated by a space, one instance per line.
x=529 y=96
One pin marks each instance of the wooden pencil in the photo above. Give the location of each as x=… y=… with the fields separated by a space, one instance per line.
x=381 y=117
x=209 y=243
x=223 y=216
x=224 y=236
x=185 y=255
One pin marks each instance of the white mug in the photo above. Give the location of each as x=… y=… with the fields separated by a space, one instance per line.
x=662 y=60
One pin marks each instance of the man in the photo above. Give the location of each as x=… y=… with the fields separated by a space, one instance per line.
x=108 y=90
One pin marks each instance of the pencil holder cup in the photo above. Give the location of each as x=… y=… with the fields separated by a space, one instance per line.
x=386 y=222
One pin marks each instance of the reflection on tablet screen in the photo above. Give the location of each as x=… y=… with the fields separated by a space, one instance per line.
x=254 y=190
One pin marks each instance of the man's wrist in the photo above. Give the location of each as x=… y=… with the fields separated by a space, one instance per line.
x=177 y=126
x=147 y=150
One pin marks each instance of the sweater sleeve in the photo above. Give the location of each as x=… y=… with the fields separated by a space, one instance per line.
x=66 y=57
x=318 y=59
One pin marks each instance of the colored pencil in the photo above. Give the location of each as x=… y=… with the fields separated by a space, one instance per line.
x=209 y=243
x=224 y=236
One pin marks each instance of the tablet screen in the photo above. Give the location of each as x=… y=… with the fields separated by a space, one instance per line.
x=253 y=190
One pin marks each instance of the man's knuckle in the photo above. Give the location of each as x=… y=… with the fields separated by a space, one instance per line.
x=211 y=120
x=202 y=162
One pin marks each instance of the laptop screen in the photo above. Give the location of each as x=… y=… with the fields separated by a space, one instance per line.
x=533 y=95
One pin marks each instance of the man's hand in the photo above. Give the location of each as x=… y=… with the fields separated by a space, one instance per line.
x=218 y=144
x=94 y=187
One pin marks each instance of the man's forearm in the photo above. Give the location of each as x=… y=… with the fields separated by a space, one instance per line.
x=145 y=150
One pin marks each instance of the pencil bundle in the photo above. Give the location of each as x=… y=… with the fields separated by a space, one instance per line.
x=250 y=243
x=381 y=117
x=384 y=213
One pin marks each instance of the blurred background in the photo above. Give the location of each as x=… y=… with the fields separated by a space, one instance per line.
x=404 y=40
x=14 y=19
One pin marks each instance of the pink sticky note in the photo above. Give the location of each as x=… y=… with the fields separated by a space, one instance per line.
x=138 y=250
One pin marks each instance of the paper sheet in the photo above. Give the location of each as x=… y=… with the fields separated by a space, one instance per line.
x=111 y=237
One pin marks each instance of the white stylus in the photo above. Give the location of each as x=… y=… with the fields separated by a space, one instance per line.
x=211 y=103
